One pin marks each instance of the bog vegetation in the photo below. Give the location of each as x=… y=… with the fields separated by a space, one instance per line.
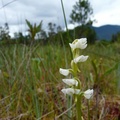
x=30 y=82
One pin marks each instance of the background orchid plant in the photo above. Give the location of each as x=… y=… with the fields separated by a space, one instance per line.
x=74 y=83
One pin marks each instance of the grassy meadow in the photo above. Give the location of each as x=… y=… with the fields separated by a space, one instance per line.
x=30 y=82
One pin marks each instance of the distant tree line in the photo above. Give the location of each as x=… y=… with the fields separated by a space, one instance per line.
x=116 y=37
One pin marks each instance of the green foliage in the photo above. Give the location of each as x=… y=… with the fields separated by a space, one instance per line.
x=52 y=29
x=81 y=13
x=4 y=32
x=34 y=29
x=101 y=73
x=116 y=37
x=20 y=38
x=86 y=31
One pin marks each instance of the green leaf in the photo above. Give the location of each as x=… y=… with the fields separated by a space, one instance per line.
x=95 y=70
x=37 y=59
x=94 y=67
x=29 y=25
x=110 y=70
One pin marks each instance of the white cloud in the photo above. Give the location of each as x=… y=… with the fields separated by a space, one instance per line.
x=105 y=12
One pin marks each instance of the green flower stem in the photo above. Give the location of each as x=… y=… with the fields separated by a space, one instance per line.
x=75 y=69
x=88 y=110
x=75 y=53
x=78 y=107
x=69 y=104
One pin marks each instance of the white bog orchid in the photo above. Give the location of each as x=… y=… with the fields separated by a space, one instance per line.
x=88 y=93
x=81 y=58
x=79 y=43
x=74 y=83
x=64 y=72
x=70 y=82
x=70 y=91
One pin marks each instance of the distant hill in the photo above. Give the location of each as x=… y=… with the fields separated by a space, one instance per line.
x=106 y=31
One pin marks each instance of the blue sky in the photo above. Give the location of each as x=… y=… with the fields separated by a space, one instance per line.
x=105 y=12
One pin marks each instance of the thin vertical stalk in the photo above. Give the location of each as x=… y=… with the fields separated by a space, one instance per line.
x=78 y=108
x=65 y=20
x=88 y=110
x=69 y=104
x=69 y=99
x=64 y=50
x=64 y=15
x=118 y=79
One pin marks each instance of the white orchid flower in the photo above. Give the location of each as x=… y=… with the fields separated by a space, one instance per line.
x=70 y=91
x=88 y=93
x=64 y=72
x=81 y=58
x=70 y=82
x=79 y=43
